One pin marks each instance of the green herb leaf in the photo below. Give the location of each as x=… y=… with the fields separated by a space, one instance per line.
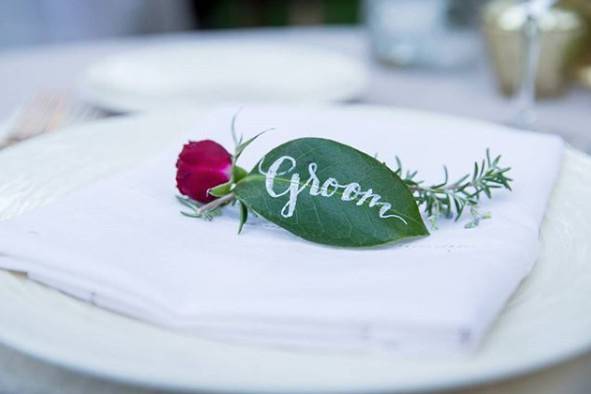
x=331 y=193
x=195 y=209
x=437 y=200
x=243 y=145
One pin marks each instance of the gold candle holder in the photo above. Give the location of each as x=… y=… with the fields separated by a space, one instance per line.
x=560 y=31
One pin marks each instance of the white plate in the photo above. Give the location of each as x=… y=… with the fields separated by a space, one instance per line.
x=547 y=321
x=191 y=73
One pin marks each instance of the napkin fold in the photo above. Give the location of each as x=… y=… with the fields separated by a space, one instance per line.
x=122 y=244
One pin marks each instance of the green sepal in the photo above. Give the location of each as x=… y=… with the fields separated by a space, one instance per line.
x=238 y=173
x=243 y=216
x=221 y=190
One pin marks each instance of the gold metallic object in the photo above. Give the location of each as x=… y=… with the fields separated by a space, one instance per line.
x=584 y=75
x=560 y=30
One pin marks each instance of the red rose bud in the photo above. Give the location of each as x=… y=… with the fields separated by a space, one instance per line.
x=202 y=165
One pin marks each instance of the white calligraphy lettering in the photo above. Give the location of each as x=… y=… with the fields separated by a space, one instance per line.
x=351 y=191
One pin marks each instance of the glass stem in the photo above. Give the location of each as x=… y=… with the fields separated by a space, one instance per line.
x=526 y=95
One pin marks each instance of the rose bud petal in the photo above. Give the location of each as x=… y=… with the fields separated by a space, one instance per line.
x=202 y=165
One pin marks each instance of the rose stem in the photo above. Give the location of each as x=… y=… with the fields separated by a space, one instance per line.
x=215 y=203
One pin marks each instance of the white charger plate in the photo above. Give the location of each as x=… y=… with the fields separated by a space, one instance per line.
x=205 y=72
x=547 y=321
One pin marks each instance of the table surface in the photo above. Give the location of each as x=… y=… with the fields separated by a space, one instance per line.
x=24 y=73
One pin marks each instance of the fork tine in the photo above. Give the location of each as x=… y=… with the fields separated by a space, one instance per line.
x=47 y=112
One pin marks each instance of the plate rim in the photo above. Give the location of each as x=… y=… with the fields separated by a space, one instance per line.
x=455 y=383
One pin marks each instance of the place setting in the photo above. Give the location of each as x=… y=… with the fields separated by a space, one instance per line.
x=205 y=227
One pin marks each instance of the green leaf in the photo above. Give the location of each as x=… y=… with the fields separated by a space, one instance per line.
x=331 y=193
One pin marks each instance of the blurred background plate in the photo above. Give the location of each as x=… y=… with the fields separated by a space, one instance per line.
x=547 y=321
x=234 y=71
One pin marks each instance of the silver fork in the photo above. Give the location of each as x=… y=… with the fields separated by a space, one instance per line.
x=47 y=112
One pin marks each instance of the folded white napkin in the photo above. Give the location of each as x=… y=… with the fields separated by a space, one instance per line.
x=122 y=244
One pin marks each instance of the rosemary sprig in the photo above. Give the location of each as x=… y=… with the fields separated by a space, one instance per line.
x=450 y=200
x=198 y=210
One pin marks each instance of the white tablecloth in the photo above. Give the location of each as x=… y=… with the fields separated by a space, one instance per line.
x=26 y=72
